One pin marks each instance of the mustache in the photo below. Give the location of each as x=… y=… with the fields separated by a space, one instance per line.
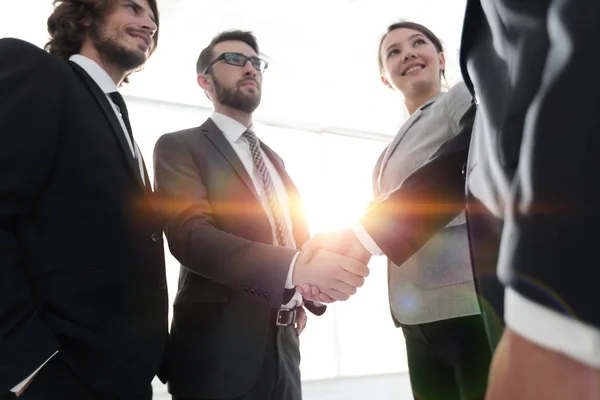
x=246 y=80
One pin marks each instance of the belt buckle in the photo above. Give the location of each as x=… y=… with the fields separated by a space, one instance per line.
x=285 y=323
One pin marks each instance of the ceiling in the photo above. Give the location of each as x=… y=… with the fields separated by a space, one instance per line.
x=322 y=54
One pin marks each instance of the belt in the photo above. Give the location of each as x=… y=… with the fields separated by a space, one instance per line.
x=283 y=317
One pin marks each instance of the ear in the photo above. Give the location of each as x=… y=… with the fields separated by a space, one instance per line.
x=442 y=59
x=205 y=82
x=386 y=83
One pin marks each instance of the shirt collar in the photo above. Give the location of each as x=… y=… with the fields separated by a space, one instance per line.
x=95 y=71
x=231 y=128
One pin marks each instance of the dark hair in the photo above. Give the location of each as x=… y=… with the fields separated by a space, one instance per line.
x=415 y=27
x=206 y=55
x=66 y=28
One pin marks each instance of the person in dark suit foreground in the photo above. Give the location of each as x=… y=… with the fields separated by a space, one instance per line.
x=83 y=301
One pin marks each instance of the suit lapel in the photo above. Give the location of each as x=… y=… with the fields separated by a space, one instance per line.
x=299 y=228
x=377 y=173
x=214 y=134
x=390 y=150
x=472 y=21
x=117 y=130
x=407 y=125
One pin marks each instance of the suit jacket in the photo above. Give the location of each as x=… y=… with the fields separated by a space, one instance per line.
x=81 y=253
x=522 y=86
x=231 y=274
x=530 y=165
x=438 y=278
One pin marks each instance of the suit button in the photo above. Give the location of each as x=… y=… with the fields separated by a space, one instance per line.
x=155 y=237
x=162 y=285
x=253 y=292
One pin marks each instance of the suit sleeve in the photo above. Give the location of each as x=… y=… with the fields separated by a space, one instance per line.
x=195 y=239
x=549 y=256
x=29 y=112
x=432 y=196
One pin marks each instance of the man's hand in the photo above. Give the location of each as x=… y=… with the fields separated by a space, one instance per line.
x=301 y=320
x=522 y=370
x=344 y=243
x=335 y=275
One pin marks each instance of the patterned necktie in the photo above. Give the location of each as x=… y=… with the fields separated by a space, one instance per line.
x=281 y=228
x=282 y=231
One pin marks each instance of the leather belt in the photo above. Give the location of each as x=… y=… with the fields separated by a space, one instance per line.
x=284 y=317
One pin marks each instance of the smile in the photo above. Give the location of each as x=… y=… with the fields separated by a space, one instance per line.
x=413 y=69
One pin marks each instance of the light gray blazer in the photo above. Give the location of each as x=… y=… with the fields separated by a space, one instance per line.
x=437 y=282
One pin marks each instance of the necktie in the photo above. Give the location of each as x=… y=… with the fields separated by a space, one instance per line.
x=282 y=231
x=120 y=102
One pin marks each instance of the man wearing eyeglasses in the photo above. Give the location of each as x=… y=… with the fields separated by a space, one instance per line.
x=234 y=220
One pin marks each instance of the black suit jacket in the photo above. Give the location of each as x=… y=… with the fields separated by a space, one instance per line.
x=539 y=110
x=231 y=274
x=81 y=255
x=529 y=160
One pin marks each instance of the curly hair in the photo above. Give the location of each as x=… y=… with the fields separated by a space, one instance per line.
x=66 y=28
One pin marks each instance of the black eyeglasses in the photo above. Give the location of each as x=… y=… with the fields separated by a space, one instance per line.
x=239 y=60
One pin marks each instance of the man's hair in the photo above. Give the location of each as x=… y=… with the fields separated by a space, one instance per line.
x=206 y=55
x=66 y=28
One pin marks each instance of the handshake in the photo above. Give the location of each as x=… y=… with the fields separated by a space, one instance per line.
x=331 y=267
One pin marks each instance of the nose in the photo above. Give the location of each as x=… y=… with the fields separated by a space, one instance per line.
x=409 y=55
x=249 y=69
x=149 y=25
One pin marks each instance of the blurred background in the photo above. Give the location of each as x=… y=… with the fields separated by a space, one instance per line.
x=325 y=111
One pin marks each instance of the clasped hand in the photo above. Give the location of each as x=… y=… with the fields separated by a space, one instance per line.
x=332 y=266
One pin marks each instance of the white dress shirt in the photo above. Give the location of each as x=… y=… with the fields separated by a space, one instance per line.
x=233 y=132
x=105 y=82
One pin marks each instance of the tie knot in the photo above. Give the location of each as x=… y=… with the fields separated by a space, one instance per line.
x=251 y=137
x=119 y=101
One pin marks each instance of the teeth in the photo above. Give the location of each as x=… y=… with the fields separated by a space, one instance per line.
x=411 y=69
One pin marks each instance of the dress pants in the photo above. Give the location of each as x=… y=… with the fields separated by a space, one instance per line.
x=448 y=359
x=55 y=381
x=279 y=377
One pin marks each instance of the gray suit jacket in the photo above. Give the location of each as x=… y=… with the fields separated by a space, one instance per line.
x=436 y=283
x=231 y=274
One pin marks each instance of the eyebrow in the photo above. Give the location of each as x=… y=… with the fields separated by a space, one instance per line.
x=148 y=10
x=410 y=38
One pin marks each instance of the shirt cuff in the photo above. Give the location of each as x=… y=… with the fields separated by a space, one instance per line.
x=552 y=330
x=366 y=240
x=288 y=281
x=20 y=386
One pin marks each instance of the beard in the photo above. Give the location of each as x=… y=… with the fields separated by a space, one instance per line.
x=234 y=98
x=113 y=52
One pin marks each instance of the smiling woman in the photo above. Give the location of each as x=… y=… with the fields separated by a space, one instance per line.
x=432 y=294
